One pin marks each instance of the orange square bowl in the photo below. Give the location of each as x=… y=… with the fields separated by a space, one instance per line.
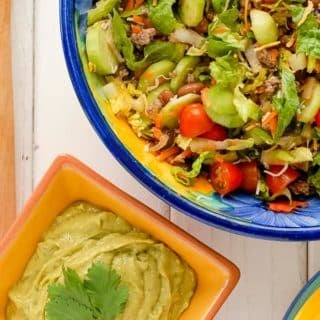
x=68 y=181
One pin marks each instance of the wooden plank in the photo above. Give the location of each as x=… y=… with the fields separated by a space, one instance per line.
x=313 y=258
x=271 y=272
x=60 y=125
x=22 y=51
x=7 y=149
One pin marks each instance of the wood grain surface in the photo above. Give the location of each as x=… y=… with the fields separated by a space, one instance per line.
x=7 y=154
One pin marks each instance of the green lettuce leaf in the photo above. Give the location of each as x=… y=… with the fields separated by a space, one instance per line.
x=162 y=16
x=230 y=18
x=227 y=71
x=220 y=6
x=245 y=106
x=315 y=181
x=308 y=34
x=287 y=102
x=154 y=52
x=187 y=177
x=316 y=160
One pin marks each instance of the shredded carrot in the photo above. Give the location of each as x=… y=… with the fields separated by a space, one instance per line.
x=246 y=28
x=148 y=23
x=138 y=19
x=165 y=154
x=220 y=30
x=157 y=133
x=284 y=206
x=274 y=54
x=138 y=3
x=129 y=5
x=270 y=121
x=135 y=28
x=157 y=121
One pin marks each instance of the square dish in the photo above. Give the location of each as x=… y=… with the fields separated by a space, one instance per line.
x=68 y=181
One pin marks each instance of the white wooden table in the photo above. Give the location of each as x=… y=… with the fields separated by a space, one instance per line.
x=49 y=121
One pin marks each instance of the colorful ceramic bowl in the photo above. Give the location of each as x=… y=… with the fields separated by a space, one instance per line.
x=238 y=213
x=68 y=181
x=306 y=305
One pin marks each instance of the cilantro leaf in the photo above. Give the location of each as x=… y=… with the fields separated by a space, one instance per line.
x=69 y=301
x=105 y=291
x=99 y=297
x=308 y=34
x=162 y=16
x=287 y=103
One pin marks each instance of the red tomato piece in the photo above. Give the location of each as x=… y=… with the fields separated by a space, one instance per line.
x=317 y=119
x=194 y=121
x=217 y=133
x=225 y=177
x=285 y=206
x=279 y=183
x=251 y=175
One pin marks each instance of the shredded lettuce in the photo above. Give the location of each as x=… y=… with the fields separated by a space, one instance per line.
x=162 y=16
x=187 y=177
x=246 y=107
x=221 y=43
x=182 y=141
x=286 y=102
x=140 y=124
x=308 y=34
x=227 y=71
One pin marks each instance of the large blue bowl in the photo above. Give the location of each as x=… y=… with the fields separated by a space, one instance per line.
x=239 y=213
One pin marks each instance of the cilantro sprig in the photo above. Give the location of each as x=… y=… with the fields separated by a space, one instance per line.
x=99 y=297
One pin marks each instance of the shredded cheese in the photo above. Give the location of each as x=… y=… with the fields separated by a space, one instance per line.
x=306 y=12
x=267 y=46
x=281 y=172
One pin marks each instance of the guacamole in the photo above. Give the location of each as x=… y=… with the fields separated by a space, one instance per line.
x=160 y=283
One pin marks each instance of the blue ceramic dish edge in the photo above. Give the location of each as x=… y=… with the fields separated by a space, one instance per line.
x=310 y=287
x=92 y=111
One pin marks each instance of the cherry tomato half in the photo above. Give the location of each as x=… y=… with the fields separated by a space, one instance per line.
x=278 y=184
x=225 y=177
x=317 y=119
x=217 y=133
x=194 y=121
x=251 y=175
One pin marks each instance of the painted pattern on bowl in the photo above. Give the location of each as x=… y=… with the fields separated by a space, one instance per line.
x=239 y=213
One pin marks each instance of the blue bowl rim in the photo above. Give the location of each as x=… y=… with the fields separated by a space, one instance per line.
x=104 y=131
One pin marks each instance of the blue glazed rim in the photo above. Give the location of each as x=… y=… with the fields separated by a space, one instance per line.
x=310 y=287
x=104 y=131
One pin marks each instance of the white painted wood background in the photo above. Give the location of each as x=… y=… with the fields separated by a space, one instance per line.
x=49 y=121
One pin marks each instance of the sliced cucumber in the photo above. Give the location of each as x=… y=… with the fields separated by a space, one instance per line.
x=264 y=27
x=312 y=107
x=220 y=100
x=191 y=12
x=185 y=66
x=100 y=54
x=226 y=120
x=154 y=72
